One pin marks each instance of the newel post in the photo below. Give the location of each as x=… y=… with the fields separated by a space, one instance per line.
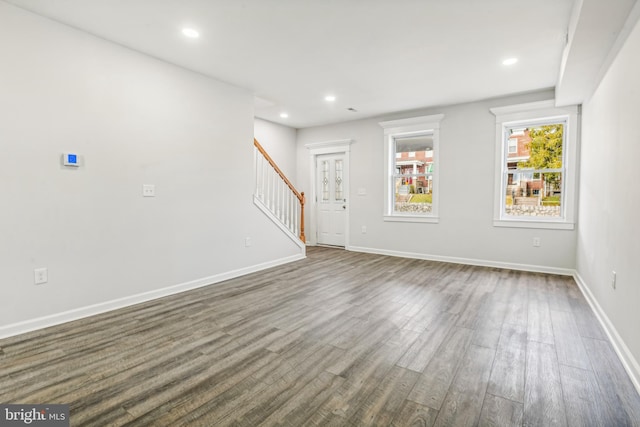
x=302 y=236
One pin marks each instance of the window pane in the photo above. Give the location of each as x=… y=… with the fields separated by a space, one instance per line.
x=412 y=154
x=413 y=194
x=534 y=194
x=535 y=147
x=410 y=169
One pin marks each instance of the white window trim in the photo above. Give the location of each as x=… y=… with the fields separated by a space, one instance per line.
x=407 y=127
x=532 y=112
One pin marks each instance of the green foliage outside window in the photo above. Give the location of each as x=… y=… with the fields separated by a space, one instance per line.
x=545 y=150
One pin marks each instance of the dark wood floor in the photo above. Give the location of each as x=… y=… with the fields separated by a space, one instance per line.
x=340 y=338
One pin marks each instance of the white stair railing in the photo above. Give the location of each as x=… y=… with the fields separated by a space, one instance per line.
x=276 y=193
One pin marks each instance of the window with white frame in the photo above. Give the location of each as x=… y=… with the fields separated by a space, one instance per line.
x=411 y=179
x=535 y=183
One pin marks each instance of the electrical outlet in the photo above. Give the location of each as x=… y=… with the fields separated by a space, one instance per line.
x=148 y=190
x=40 y=276
x=364 y=229
x=247 y=242
x=613 y=279
x=536 y=242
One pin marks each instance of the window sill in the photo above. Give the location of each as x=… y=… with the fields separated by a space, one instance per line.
x=526 y=223
x=412 y=218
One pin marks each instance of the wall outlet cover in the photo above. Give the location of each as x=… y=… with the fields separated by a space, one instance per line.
x=40 y=276
x=148 y=190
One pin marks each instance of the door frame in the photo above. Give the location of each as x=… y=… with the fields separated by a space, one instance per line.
x=341 y=146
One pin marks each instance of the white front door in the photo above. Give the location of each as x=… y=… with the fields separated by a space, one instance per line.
x=331 y=192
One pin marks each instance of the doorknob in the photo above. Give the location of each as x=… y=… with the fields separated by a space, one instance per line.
x=344 y=206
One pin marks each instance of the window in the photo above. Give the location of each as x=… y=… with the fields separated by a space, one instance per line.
x=411 y=169
x=535 y=181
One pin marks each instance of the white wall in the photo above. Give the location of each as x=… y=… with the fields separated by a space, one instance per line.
x=134 y=120
x=465 y=231
x=280 y=142
x=609 y=209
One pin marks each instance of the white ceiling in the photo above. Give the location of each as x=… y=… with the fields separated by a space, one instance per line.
x=377 y=56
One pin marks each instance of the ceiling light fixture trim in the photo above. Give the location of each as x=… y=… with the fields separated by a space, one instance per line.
x=191 y=33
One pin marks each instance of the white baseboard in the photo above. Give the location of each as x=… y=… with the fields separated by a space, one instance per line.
x=468 y=261
x=79 y=313
x=629 y=362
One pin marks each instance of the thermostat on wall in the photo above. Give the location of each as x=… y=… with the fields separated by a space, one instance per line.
x=70 y=159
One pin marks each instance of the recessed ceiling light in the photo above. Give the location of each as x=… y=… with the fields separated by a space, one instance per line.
x=509 y=61
x=284 y=115
x=191 y=33
x=330 y=98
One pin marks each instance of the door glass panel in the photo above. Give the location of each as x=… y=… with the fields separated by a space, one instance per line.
x=339 y=184
x=325 y=180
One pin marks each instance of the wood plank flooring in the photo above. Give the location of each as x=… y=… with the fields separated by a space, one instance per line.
x=340 y=338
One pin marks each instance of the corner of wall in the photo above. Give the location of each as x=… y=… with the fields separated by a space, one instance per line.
x=629 y=362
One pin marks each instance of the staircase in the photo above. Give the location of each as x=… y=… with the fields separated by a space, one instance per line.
x=277 y=197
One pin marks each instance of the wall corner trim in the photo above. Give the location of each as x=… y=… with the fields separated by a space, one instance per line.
x=91 y=310
x=629 y=362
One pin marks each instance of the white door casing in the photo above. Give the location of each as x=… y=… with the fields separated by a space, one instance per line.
x=331 y=202
x=317 y=149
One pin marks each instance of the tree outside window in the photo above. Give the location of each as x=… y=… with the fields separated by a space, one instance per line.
x=535 y=178
x=534 y=170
